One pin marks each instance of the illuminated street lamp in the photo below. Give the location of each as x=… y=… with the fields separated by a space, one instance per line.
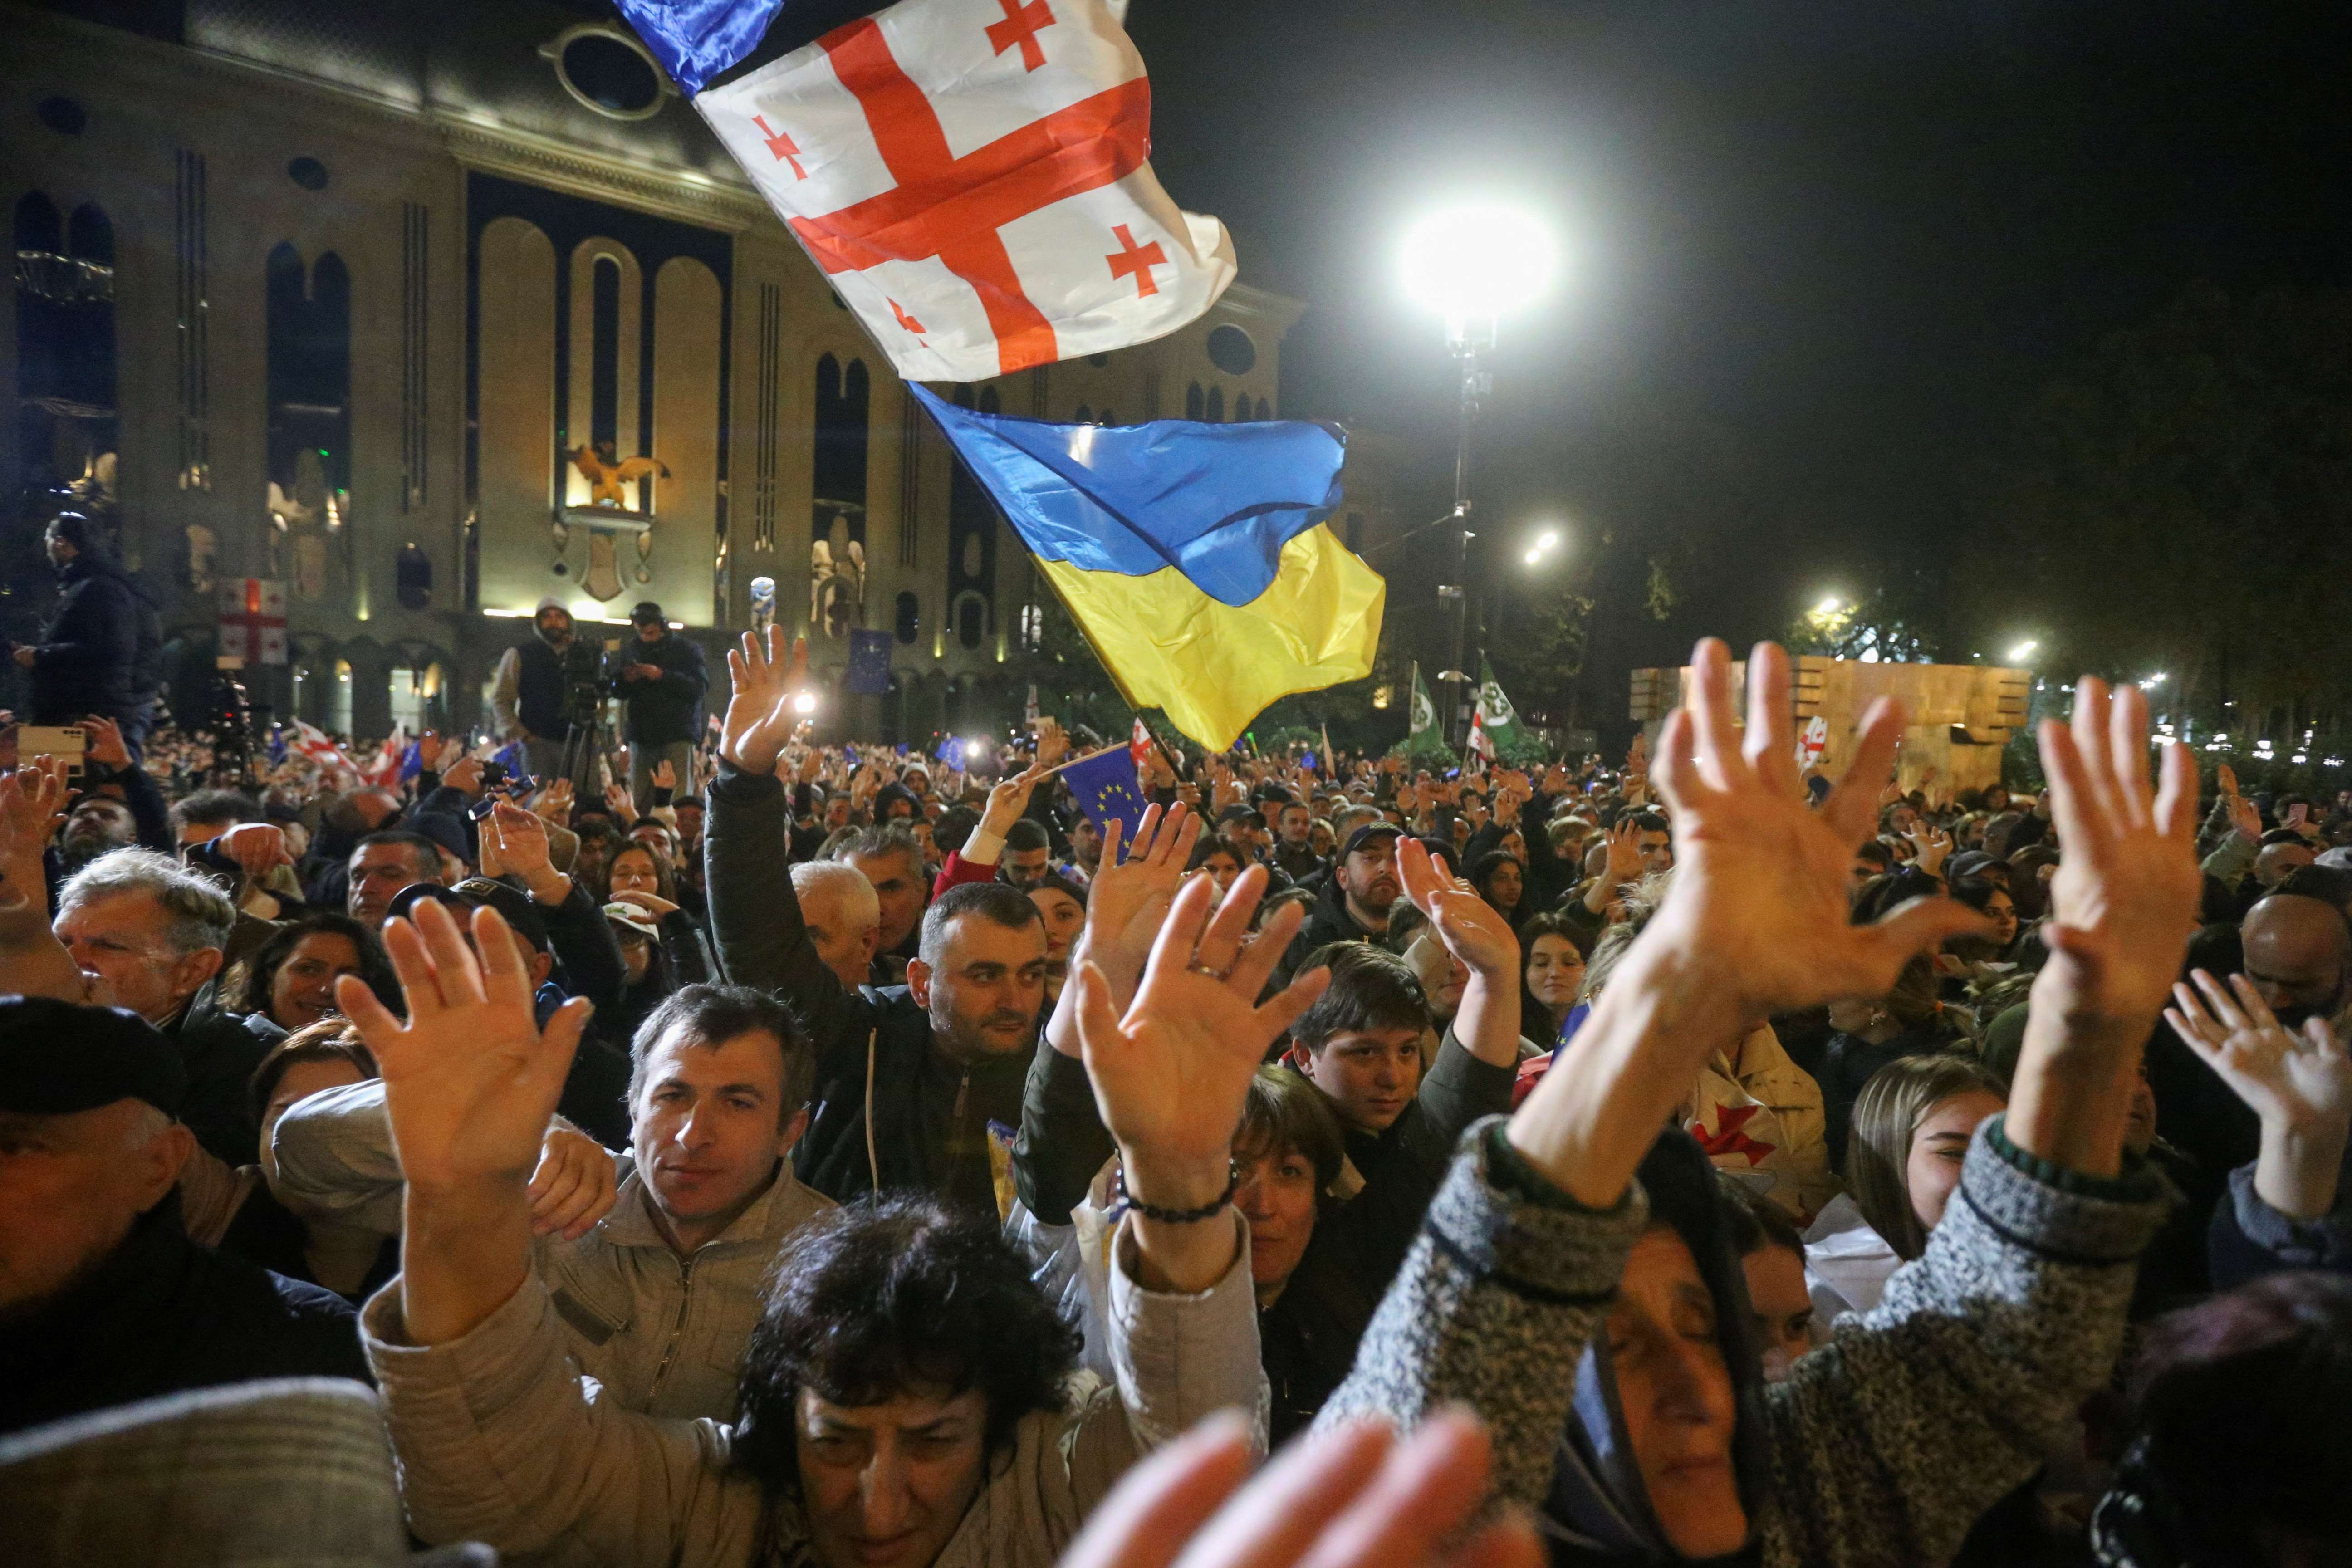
x=1545 y=542
x=2023 y=650
x=1471 y=266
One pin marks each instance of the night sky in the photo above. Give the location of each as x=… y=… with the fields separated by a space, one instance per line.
x=1819 y=253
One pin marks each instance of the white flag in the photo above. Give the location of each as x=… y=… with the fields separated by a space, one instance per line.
x=971 y=177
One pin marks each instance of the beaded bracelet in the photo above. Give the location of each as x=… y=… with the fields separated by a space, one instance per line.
x=1182 y=1216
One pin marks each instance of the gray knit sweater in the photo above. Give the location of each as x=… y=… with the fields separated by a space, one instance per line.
x=1886 y=1444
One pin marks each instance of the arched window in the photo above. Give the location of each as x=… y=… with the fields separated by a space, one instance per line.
x=1085 y=415
x=908 y=623
x=338 y=700
x=65 y=340
x=1193 y=403
x=1216 y=412
x=972 y=620
x=840 y=455
x=1243 y=411
x=309 y=391
x=1108 y=418
x=972 y=542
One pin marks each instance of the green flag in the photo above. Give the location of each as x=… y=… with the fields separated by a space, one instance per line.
x=1423 y=741
x=1513 y=742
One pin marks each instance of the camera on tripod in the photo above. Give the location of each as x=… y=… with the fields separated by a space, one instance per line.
x=585 y=681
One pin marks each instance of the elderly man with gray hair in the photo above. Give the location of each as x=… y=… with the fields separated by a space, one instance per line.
x=844 y=915
x=155 y=933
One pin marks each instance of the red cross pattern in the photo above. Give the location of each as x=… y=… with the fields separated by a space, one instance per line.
x=951 y=207
x=1729 y=1137
x=252 y=620
x=905 y=320
x=781 y=145
x=1136 y=262
x=1021 y=26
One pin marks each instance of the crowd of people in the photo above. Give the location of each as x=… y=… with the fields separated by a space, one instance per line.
x=788 y=1152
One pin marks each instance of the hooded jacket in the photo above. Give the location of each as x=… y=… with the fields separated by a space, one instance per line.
x=1884 y=1445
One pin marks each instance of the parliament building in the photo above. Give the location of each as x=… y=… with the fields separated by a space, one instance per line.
x=426 y=311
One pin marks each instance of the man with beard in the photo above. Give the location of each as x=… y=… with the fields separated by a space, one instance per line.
x=907 y=1079
x=1354 y=906
x=527 y=692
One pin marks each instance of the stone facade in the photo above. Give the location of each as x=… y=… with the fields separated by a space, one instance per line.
x=382 y=287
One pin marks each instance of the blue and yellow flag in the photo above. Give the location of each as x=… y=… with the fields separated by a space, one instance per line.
x=1194 y=556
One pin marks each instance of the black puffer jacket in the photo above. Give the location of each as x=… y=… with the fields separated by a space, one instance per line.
x=88 y=660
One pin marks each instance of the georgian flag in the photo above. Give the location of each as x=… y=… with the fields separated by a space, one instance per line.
x=969 y=174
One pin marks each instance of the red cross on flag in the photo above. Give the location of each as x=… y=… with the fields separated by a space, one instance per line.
x=252 y=620
x=971 y=176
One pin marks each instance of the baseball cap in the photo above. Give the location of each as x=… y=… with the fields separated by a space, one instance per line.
x=1370 y=830
x=635 y=917
x=57 y=1058
x=474 y=892
x=647 y=613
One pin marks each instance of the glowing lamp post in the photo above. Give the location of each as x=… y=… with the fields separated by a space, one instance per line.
x=1471 y=266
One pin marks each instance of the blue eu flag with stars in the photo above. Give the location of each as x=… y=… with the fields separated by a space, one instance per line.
x=869 y=663
x=1105 y=789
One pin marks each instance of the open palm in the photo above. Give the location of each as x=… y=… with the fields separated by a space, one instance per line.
x=1128 y=899
x=1171 y=1076
x=760 y=717
x=1761 y=883
x=2292 y=1080
x=469 y=1078
x=2125 y=898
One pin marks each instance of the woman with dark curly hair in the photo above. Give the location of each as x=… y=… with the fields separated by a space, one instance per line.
x=1501 y=880
x=907 y=1385
x=290 y=978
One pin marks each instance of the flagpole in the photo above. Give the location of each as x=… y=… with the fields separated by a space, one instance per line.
x=1090 y=756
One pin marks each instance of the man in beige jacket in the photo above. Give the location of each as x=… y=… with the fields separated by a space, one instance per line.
x=907 y=1398
x=656 y=1300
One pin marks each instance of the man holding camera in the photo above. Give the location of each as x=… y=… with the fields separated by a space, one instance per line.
x=532 y=694
x=661 y=676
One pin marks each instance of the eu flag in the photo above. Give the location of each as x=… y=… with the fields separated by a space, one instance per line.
x=869 y=663
x=1105 y=789
x=1194 y=556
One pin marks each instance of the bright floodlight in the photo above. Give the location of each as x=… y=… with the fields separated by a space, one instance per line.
x=1830 y=605
x=975 y=748
x=2023 y=650
x=2152 y=682
x=1475 y=261
x=1534 y=556
x=1551 y=537
x=805 y=703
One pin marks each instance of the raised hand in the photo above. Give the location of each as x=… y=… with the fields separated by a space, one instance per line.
x=1009 y=798
x=103 y=743
x=1930 y=845
x=1349 y=1496
x=663 y=775
x=1053 y=744
x=30 y=800
x=1468 y=925
x=515 y=841
x=1761 y=881
x=555 y=803
x=1170 y=1077
x=618 y=801
x=1128 y=899
x=2225 y=779
x=469 y=1083
x=2246 y=817
x=760 y=715
x=2298 y=1078
x=463 y=773
x=2125 y=898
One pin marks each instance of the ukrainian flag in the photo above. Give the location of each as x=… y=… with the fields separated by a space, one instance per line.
x=1194 y=556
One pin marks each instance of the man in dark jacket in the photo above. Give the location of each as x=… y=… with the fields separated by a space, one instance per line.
x=88 y=661
x=1353 y=906
x=663 y=683
x=908 y=1078
x=529 y=693
x=103 y=1299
